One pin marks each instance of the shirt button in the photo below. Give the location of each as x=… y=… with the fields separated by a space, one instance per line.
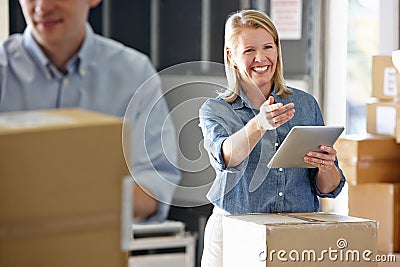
x=280 y=194
x=65 y=82
x=276 y=144
x=280 y=169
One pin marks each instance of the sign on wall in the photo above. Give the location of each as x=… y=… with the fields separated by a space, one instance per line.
x=286 y=14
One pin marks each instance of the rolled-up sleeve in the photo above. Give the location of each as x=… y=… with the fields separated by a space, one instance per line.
x=214 y=137
x=218 y=122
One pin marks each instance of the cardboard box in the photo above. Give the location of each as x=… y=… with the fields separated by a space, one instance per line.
x=298 y=239
x=60 y=189
x=396 y=63
x=381 y=202
x=398 y=124
x=389 y=260
x=381 y=117
x=368 y=158
x=371 y=171
x=384 y=81
x=358 y=147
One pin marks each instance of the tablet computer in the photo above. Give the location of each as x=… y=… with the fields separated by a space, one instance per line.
x=299 y=141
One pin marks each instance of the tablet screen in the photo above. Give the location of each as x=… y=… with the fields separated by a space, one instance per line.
x=299 y=141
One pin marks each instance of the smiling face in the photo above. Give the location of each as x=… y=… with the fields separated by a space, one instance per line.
x=56 y=22
x=255 y=56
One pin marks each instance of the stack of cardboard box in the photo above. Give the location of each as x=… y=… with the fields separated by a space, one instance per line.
x=371 y=163
x=383 y=108
x=60 y=189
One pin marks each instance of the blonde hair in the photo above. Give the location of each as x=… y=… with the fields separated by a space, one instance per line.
x=233 y=26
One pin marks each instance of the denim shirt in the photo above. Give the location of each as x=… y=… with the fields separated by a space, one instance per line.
x=251 y=187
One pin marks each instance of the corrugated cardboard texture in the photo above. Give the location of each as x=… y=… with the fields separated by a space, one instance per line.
x=267 y=240
x=381 y=202
x=60 y=192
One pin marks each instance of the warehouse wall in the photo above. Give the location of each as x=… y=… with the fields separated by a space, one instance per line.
x=3 y=19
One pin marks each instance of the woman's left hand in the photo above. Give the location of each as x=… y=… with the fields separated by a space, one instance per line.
x=324 y=160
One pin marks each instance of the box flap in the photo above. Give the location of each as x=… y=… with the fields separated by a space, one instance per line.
x=275 y=219
x=268 y=219
x=323 y=217
x=34 y=120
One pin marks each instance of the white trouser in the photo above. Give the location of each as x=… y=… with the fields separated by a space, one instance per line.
x=212 y=251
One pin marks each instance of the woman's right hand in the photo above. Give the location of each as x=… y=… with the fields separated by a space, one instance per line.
x=239 y=145
x=272 y=115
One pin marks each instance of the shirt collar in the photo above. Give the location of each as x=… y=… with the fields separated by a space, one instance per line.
x=79 y=63
x=87 y=52
x=36 y=52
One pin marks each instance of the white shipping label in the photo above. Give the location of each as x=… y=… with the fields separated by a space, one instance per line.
x=385 y=120
x=31 y=119
x=390 y=82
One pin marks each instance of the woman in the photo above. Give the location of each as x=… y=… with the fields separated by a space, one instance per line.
x=245 y=125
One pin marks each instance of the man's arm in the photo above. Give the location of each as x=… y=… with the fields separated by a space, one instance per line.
x=153 y=144
x=144 y=204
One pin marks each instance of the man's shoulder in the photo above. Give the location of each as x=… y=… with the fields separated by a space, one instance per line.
x=112 y=48
x=10 y=46
x=116 y=60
